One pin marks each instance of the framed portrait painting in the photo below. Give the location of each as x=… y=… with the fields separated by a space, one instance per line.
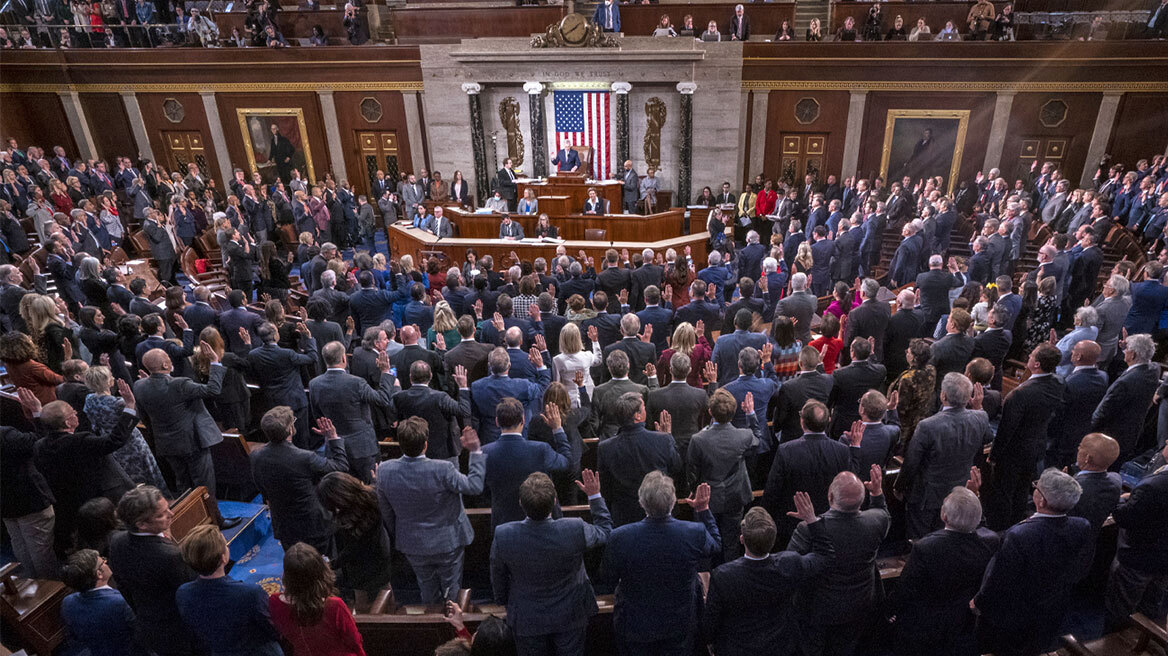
x=276 y=141
x=923 y=143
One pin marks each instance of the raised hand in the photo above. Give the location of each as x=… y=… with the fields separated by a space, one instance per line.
x=67 y=349
x=593 y=335
x=669 y=292
x=28 y=400
x=974 y=482
x=350 y=325
x=244 y=335
x=893 y=399
x=700 y=501
x=589 y=482
x=650 y=370
x=711 y=290
x=302 y=328
x=551 y=417
x=533 y=312
x=579 y=378
x=540 y=342
x=439 y=341
x=700 y=328
x=1053 y=337
x=665 y=422
x=181 y=322
x=210 y=352
x=623 y=296
x=647 y=333
x=875 y=481
x=762 y=283
x=324 y=426
x=478 y=308
x=470 y=439
x=536 y=358
x=460 y=376
x=710 y=372
x=383 y=362
x=804 y=509
x=767 y=350
x=104 y=360
x=497 y=322
x=748 y=404
x=856 y=434
x=127 y=394
x=978 y=396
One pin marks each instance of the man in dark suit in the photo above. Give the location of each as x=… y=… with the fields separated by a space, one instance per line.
x=149 y=569
x=412 y=352
x=871 y=319
x=905 y=264
x=940 y=576
x=637 y=346
x=701 y=308
x=837 y=610
x=946 y=219
x=749 y=302
x=717 y=456
x=750 y=258
x=739 y=29
x=369 y=304
x=486 y=393
x=1141 y=563
x=1085 y=387
x=509 y=229
x=492 y=331
x=903 y=326
x=1085 y=271
x=566 y=159
x=468 y=353
x=980 y=268
x=1027 y=586
x=993 y=343
x=684 y=403
x=117 y=291
x=655 y=315
x=935 y=285
x=537 y=568
x=595 y=204
x=953 y=351
x=729 y=345
x=613 y=279
x=278 y=371
x=440 y=411
x=183 y=430
x=155 y=330
x=941 y=453
x=624 y=459
x=654 y=564
x=512 y=457
x=647 y=275
x=200 y=314
x=809 y=384
x=163 y=243
x=1101 y=488
x=852 y=382
x=1121 y=412
x=239 y=263
x=287 y=476
x=346 y=401
x=1021 y=438
x=848 y=238
x=238 y=317
x=822 y=251
x=630 y=187
x=733 y=621
x=761 y=389
x=874 y=436
x=577 y=282
x=800 y=306
x=807 y=464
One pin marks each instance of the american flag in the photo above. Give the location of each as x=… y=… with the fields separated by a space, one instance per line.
x=582 y=117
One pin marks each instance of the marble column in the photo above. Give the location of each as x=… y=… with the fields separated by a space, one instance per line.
x=137 y=125
x=852 y=133
x=414 y=131
x=78 y=125
x=758 y=120
x=622 y=89
x=1104 y=123
x=211 y=109
x=998 y=127
x=478 y=140
x=685 y=151
x=538 y=129
x=332 y=132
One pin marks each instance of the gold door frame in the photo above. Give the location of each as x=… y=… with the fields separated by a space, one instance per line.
x=958 y=145
x=243 y=113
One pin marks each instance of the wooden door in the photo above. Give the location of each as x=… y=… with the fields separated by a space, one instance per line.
x=1039 y=149
x=802 y=154
x=377 y=151
x=184 y=147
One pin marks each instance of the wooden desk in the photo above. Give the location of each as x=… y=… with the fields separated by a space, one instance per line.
x=620 y=227
x=411 y=240
x=575 y=190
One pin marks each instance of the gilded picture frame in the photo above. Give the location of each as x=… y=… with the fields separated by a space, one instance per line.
x=906 y=151
x=255 y=128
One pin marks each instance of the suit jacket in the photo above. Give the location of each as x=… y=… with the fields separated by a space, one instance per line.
x=123 y=297
x=441 y=413
x=278 y=371
x=231 y=321
x=231 y=616
x=733 y=29
x=980 y=267
x=514 y=230
x=1026 y=414
x=1084 y=274
x=1112 y=315
x=993 y=344
x=510 y=460
x=150 y=569
x=568 y=159
x=906 y=261
x=800 y=307
x=661 y=318
x=793 y=394
x=935 y=285
x=605 y=395
x=611 y=281
x=99 y=619
x=287 y=476
x=951 y=353
x=849 y=586
x=716 y=456
x=622 y=462
x=161 y=246
x=537 y=570
x=727 y=348
x=686 y=406
x=601 y=17
x=654 y=563
x=871 y=319
x=142 y=306
x=370 y=305
x=1082 y=392
x=346 y=400
x=1100 y=496
x=421 y=502
x=764 y=388
x=200 y=315
x=876 y=446
x=902 y=327
x=807 y=464
x=736 y=624
x=640 y=354
x=472 y=355
x=943 y=448
x=642 y=277
x=177 y=416
x=1142 y=529
x=1122 y=411
x=598 y=206
x=707 y=311
x=486 y=393
x=410 y=354
x=848 y=385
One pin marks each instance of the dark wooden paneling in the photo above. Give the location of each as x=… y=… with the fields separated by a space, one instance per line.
x=765 y=18
x=194 y=119
x=448 y=24
x=109 y=126
x=832 y=121
x=1139 y=129
x=38 y=119
x=981 y=106
x=350 y=121
x=1082 y=109
x=307 y=101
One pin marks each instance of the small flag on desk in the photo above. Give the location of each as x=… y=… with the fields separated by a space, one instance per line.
x=582 y=117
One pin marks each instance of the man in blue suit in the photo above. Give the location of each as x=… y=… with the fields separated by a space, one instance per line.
x=719 y=275
x=822 y=252
x=1084 y=388
x=1141 y=564
x=624 y=459
x=421 y=506
x=654 y=563
x=537 y=568
x=607 y=16
x=239 y=317
x=874 y=435
x=277 y=369
x=1149 y=299
x=906 y=261
x=512 y=458
x=200 y=314
x=750 y=258
x=1027 y=586
x=369 y=304
x=521 y=366
x=491 y=330
x=96 y=616
x=1101 y=488
x=760 y=389
x=727 y=347
x=873 y=236
x=566 y=159
x=700 y=309
x=486 y=393
x=658 y=315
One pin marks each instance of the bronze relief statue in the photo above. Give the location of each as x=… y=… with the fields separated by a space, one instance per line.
x=509 y=117
x=654 y=121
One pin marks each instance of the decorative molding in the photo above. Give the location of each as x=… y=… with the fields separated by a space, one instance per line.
x=1053 y=113
x=580 y=86
x=687 y=88
x=807 y=110
x=573 y=31
x=471 y=88
x=173 y=110
x=371 y=109
x=621 y=88
x=915 y=85
x=534 y=88
x=214 y=87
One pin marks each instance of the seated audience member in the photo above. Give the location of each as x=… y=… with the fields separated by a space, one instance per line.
x=96 y=616
x=363 y=552
x=308 y=614
x=1027 y=586
x=654 y=564
x=509 y=229
x=716 y=456
x=595 y=204
x=229 y=616
x=537 y=567
x=414 y=492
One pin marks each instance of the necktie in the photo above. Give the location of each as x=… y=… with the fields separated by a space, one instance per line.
x=608 y=13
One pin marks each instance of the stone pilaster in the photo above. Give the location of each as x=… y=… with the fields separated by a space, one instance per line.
x=1001 y=122
x=218 y=141
x=1104 y=124
x=539 y=151
x=852 y=133
x=412 y=99
x=75 y=114
x=622 y=89
x=137 y=125
x=478 y=140
x=685 y=150
x=328 y=112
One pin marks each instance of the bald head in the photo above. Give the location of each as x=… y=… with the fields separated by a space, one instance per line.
x=1085 y=353
x=1097 y=452
x=846 y=493
x=156 y=361
x=409 y=335
x=513 y=337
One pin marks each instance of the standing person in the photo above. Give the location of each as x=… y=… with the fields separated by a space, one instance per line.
x=278 y=371
x=308 y=614
x=537 y=568
x=363 y=557
x=421 y=505
x=513 y=457
x=229 y=616
x=1140 y=572
x=28 y=511
x=654 y=564
x=716 y=456
x=96 y=616
x=347 y=401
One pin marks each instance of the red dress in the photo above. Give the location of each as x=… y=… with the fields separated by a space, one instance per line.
x=334 y=635
x=765 y=203
x=835 y=346
x=61 y=202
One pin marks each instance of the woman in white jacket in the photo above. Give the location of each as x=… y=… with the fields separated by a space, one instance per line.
x=573 y=358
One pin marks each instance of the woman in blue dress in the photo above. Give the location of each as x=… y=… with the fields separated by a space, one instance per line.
x=103 y=410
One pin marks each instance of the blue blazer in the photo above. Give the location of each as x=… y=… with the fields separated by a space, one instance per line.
x=750 y=261
x=600 y=17
x=521 y=366
x=485 y=394
x=231 y=617
x=568 y=159
x=763 y=390
x=661 y=318
x=727 y=348
x=537 y=570
x=510 y=460
x=102 y=621
x=654 y=563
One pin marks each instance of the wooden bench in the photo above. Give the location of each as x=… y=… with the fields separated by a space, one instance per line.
x=192 y=509
x=32 y=608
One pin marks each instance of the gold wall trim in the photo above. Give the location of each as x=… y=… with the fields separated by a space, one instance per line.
x=916 y=85
x=218 y=87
